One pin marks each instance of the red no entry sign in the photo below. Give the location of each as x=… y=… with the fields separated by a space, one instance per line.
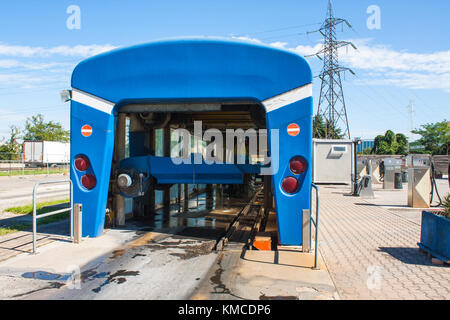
x=86 y=130
x=293 y=129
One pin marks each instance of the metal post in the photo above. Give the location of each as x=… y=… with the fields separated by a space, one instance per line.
x=179 y=198
x=34 y=217
x=166 y=153
x=316 y=224
x=355 y=167
x=23 y=164
x=186 y=198
x=119 y=201
x=306 y=246
x=71 y=209
x=77 y=223
x=198 y=192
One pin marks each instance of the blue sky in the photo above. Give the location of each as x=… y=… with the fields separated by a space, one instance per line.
x=408 y=58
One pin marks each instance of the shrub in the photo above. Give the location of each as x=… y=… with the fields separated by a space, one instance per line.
x=446 y=204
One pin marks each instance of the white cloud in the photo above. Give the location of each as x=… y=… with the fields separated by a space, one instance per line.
x=28 y=67
x=74 y=51
x=28 y=81
x=380 y=57
x=387 y=66
x=11 y=63
x=412 y=80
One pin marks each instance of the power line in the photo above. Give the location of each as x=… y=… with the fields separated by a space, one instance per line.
x=359 y=90
x=406 y=95
x=331 y=105
x=285 y=36
x=278 y=29
x=31 y=109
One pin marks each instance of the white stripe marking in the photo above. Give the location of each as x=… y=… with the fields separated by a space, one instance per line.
x=92 y=101
x=288 y=97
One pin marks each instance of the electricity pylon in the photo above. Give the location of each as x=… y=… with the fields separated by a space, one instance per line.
x=331 y=102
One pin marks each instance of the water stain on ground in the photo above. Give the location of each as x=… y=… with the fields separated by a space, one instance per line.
x=192 y=251
x=52 y=285
x=216 y=279
x=42 y=275
x=91 y=274
x=117 y=253
x=117 y=277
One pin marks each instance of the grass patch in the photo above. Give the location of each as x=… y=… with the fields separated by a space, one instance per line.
x=32 y=172
x=40 y=207
x=14 y=228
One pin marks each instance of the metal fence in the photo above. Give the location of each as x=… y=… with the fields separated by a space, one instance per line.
x=36 y=217
x=14 y=164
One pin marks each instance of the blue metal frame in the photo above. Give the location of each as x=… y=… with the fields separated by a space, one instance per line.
x=191 y=70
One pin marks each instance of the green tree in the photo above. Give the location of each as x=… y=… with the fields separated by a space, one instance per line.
x=390 y=143
x=10 y=149
x=37 y=129
x=330 y=131
x=402 y=143
x=435 y=137
x=318 y=127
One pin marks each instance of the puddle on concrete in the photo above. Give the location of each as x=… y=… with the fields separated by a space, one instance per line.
x=216 y=279
x=43 y=275
x=92 y=274
x=117 y=277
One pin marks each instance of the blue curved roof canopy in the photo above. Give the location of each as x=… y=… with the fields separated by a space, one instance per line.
x=191 y=69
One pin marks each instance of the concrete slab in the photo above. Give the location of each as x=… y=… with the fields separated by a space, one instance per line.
x=266 y=275
x=120 y=264
x=167 y=263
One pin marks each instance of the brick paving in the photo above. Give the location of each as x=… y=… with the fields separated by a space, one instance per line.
x=372 y=253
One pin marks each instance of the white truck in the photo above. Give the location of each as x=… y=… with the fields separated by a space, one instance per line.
x=43 y=153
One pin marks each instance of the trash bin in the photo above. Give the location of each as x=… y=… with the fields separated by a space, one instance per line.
x=398 y=180
x=405 y=176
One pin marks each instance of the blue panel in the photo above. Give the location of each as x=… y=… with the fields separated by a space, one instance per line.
x=99 y=149
x=435 y=235
x=289 y=206
x=167 y=172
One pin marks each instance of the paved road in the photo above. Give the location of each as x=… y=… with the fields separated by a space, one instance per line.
x=372 y=252
x=17 y=190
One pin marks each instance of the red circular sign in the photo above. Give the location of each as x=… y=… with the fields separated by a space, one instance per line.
x=86 y=130
x=293 y=129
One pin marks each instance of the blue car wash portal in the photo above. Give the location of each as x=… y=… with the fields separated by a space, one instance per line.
x=121 y=99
